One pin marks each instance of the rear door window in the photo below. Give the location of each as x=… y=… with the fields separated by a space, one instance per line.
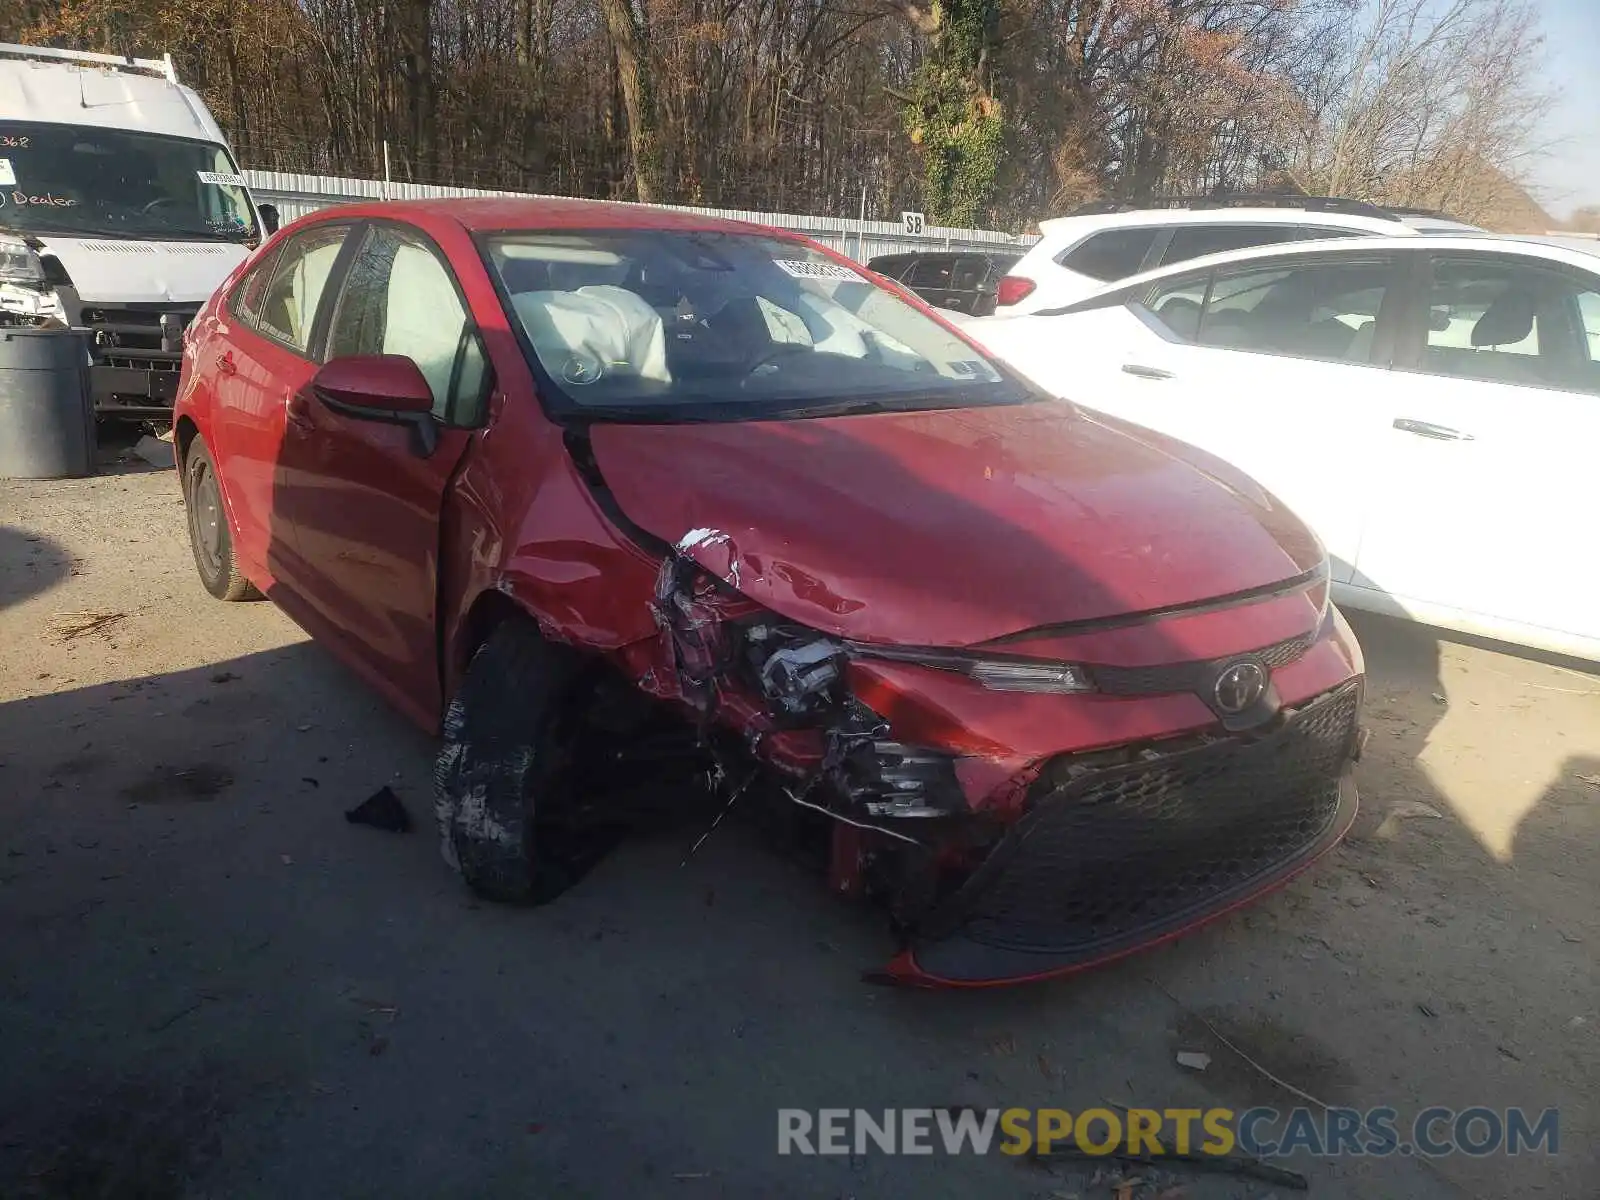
x=289 y=306
x=1114 y=254
x=970 y=274
x=930 y=273
x=1512 y=322
x=252 y=289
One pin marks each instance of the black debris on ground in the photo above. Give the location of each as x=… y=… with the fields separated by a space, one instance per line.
x=381 y=810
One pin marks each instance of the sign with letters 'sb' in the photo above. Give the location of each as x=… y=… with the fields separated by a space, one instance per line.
x=914 y=223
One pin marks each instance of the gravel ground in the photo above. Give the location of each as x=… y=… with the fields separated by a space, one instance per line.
x=212 y=985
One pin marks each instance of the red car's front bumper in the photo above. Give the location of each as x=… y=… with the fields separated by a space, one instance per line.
x=1126 y=858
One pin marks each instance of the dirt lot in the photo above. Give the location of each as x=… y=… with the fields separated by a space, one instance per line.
x=212 y=985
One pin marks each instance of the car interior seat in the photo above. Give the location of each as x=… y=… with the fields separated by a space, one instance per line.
x=1360 y=349
x=723 y=342
x=1508 y=321
x=1498 y=353
x=1181 y=315
x=1231 y=327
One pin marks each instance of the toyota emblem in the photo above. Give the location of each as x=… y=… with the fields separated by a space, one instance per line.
x=1239 y=685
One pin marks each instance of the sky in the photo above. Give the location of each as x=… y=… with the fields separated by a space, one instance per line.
x=1568 y=175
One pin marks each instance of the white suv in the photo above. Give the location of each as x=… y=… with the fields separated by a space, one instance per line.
x=1102 y=243
x=1429 y=406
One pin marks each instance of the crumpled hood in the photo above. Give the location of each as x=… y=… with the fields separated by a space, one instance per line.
x=949 y=528
x=122 y=271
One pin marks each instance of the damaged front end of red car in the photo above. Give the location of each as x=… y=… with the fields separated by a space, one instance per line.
x=998 y=864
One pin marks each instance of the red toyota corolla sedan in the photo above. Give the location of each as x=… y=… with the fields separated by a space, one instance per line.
x=612 y=494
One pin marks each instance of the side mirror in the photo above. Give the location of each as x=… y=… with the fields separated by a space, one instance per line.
x=380 y=387
x=269 y=218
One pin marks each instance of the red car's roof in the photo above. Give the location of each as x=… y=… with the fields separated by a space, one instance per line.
x=480 y=213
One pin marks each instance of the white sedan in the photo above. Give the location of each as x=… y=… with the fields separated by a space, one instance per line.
x=1430 y=406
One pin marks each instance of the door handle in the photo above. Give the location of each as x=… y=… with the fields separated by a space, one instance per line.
x=1144 y=372
x=225 y=364
x=1427 y=429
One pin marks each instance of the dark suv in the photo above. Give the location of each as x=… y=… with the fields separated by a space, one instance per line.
x=962 y=280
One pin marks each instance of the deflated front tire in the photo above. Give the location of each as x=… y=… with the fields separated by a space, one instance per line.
x=497 y=779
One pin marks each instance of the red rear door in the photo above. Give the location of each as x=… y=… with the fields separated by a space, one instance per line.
x=364 y=496
x=262 y=359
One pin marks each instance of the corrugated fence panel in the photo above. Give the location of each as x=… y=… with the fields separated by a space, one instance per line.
x=296 y=195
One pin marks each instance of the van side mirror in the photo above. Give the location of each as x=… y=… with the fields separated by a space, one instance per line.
x=269 y=218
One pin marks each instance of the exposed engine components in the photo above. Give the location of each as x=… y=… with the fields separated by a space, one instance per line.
x=724 y=646
x=891 y=779
x=798 y=676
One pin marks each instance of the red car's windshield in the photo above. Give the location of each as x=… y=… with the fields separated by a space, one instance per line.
x=653 y=324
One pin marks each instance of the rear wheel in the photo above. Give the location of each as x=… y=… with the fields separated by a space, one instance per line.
x=209 y=535
x=501 y=782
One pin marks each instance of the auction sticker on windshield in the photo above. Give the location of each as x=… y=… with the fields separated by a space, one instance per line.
x=814 y=270
x=221 y=177
x=8 y=176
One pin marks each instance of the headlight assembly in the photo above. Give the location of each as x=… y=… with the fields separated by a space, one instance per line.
x=996 y=674
x=18 y=262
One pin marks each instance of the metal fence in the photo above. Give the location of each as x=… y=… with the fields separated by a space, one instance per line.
x=296 y=195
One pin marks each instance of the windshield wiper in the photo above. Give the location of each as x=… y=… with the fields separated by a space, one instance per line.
x=915 y=402
x=858 y=407
x=657 y=414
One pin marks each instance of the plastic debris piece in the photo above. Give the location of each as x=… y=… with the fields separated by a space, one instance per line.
x=154 y=451
x=1194 y=1060
x=381 y=810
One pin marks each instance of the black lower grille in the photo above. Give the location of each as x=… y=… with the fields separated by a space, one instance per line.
x=1122 y=852
x=146 y=337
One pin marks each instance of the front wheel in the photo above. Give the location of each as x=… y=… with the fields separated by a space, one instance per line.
x=501 y=780
x=209 y=535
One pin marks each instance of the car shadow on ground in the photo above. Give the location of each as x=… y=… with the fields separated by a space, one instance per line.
x=33 y=565
x=208 y=974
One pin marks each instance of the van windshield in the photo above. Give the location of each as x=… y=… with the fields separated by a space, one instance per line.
x=651 y=324
x=94 y=182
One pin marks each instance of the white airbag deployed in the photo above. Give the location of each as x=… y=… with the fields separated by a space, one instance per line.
x=601 y=324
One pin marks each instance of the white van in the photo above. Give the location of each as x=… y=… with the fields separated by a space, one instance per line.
x=121 y=210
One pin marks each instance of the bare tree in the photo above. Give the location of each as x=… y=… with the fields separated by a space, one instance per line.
x=1424 y=104
x=993 y=111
